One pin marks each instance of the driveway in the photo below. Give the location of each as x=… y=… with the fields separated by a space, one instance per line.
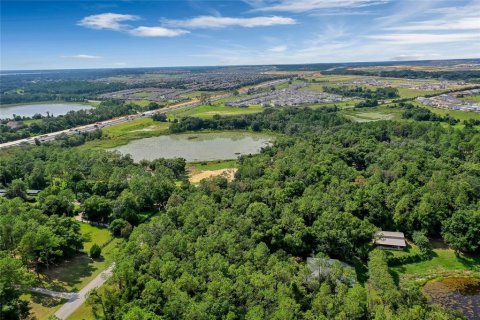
x=78 y=299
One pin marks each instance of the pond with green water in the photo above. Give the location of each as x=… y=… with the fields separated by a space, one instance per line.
x=196 y=147
x=458 y=293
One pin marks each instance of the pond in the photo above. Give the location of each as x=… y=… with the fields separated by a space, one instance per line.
x=458 y=293
x=28 y=110
x=196 y=147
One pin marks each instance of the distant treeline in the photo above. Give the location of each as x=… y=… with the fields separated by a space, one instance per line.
x=379 y=93
x=69 y=90
x=469 y=75
x=284 y=121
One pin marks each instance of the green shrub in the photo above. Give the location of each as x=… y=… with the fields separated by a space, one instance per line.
x=422 y=242
x=95 y=251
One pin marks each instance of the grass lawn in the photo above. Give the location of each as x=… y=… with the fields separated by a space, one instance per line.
x=471 y=98
x=121 y=134
x=142 y=94
x=42 y=306
x=96 y=235
x=72 y=275
x=443 y=263
x=373 y=114
x=208 y=111
x=84 y=312
x=457 y=114
x=141 y=102
x=196 y=167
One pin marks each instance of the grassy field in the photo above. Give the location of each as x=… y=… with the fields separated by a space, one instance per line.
x=443 y=263
x=96 y=235
x=123 y=133
x=457 y=114
x=72 y=275
x=84 y=312
x=195 y=167
x=373 y=114
x=208 y=111
x=141 y=102
x=472 y=98
x=42 y=306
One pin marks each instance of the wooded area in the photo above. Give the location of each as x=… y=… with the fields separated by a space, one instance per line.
x=237 y=250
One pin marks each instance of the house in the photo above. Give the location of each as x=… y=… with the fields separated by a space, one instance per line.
x=390 y=240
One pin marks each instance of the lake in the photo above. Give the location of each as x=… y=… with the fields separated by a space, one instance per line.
x=196 y=147
x=28 y=110
x=458 y=293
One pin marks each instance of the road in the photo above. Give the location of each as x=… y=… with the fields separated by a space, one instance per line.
x=78 y=299
x=123 y=119
x=104 y=124
x=57 y=294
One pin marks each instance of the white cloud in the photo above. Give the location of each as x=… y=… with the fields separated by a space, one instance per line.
x=157 y=32
x=222 y=22
x=278 y=49
x=119 y=64
x=81 y=57
x=424 y=38
x=110 y=21
x=311 y=5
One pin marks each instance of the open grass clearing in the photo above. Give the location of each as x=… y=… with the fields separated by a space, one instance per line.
x=471 y=98
x=84 y=312
x=42 y=306
x=196 y=167
x=443 y=263
x=73 y=274
x=97 y=235
x=208 y=111
x=121 y=134
x=373 y=114
x=457 y=114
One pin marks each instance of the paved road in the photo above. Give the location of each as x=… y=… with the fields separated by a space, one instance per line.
x=79 y=298
x=57 y=294
x=118 y=120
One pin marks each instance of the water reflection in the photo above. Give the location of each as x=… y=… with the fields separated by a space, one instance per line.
x=196 y=147
x=458 y=293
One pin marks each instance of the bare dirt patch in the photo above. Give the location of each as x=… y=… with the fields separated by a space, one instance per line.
x=228 y=173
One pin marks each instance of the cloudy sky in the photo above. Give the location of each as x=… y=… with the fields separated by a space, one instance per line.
x=89 y=34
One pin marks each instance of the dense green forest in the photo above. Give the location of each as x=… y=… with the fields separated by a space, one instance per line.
x=377 y=94
x=238 y=250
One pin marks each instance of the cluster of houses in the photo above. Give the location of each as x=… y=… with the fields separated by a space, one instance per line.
x=451 y=101
x=151 y=94
x=407 y=83
x=217 y=79
x=291 y=96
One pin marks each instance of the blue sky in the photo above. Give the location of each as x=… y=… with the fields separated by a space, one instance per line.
x=91 y=34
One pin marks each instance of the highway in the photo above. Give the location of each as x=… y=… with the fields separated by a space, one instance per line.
x=104 y=124
x=108 y=123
